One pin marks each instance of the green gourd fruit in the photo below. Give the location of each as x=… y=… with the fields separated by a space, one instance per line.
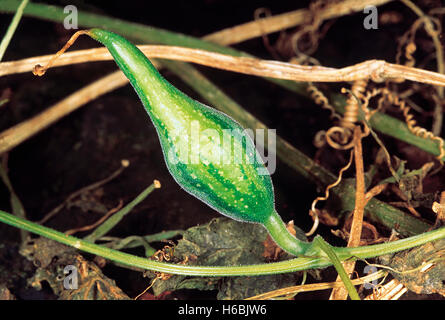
x=207 y=152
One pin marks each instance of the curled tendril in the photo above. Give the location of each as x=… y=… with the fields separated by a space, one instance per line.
x=314 y=211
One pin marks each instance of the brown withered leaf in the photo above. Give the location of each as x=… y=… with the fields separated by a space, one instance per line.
x=92 y=284
x=42 y=252
x=51 y=259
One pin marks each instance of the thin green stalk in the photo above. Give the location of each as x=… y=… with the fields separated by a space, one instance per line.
x=136 y=241
x=297 y=264
x=330 y=252
x=12 y=27
x=277 y=230
x=112 y=221
x=16 y=205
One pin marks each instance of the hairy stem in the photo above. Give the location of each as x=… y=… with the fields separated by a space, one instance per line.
x=279 y=233
x=330 y=252
x=297 y=264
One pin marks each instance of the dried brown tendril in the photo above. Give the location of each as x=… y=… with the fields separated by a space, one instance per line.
x=411 y=123
x=340 y=137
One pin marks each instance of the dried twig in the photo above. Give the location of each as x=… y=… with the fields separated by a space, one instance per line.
x=357 y=220
x=98 y=222
x=377 y=70
x=356 y=227
x=15 y=135
x=374 y=192
x=279 y=22
x=317 y=286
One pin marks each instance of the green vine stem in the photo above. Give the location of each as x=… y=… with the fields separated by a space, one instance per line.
x=16 y=205
x=278 y=232
x=297 y=264
x=330 y=252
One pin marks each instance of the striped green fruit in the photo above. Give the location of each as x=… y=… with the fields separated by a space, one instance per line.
x=207 y=152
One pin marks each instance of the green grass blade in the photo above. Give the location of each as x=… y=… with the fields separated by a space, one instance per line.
x=112 y=221
x=12 y=27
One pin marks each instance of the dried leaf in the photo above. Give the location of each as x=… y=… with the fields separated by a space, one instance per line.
x=224 y=242
x=42 y=252
x=422 y=269
x=51 y=258
x=92 y=284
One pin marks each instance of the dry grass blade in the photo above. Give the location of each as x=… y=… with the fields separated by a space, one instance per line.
x=26 y=129
x=377 y=70
x=357 y=218
x=356 y=227
x=286 y=20
x=317 y=286
x=393 y=290
x=19 y=133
